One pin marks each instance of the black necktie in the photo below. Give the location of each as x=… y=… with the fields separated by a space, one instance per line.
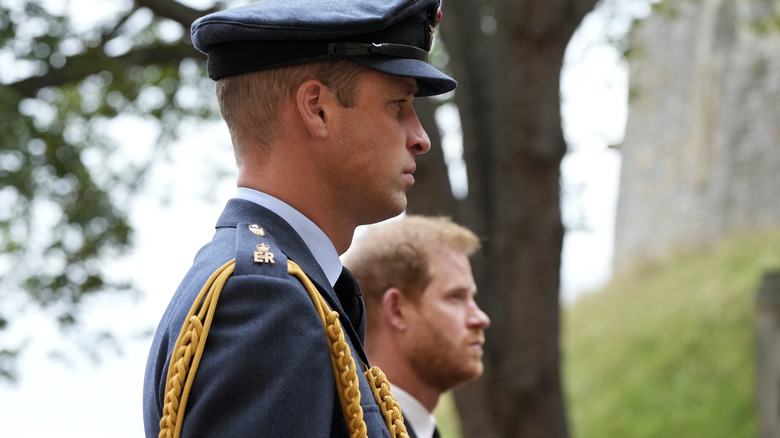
x=351 y=299
x=436 y=432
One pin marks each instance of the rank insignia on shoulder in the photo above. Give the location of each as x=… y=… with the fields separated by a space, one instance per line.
x=257 y=230
x=263 y=254
x=257 y=252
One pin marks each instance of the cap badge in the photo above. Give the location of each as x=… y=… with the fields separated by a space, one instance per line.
x=263 y=255
x=436 y=22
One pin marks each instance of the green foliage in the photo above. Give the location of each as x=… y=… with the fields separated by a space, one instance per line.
x=671 y=347
x=622 y=17
x=447 y=417
x=64 y=197
x=763 y=17
x=668 y=8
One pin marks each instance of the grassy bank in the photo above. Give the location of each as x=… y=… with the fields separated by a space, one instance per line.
x=669 y=350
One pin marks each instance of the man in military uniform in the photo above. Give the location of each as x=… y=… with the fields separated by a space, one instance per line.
x=425 y=331
x=317 y=97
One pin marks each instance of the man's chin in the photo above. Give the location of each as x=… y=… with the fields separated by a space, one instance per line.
x=393 y=210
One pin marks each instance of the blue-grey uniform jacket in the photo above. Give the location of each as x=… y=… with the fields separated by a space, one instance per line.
x=266 y=369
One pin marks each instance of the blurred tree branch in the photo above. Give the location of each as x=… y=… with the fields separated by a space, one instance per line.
x=94 y=61
x=66 y=214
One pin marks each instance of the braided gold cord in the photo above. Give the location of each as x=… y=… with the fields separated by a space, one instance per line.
x=349 y=392
x=192 y=339
x=391 y=411
x=188 y=350
x=344 y=367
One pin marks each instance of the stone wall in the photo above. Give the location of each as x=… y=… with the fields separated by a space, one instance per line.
x=701 y=154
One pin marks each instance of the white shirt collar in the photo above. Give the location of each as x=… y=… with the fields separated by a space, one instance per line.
x=316 y=240
x=415 y=414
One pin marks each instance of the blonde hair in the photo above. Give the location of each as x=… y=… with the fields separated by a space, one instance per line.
x=250 y=103
x=396 y=253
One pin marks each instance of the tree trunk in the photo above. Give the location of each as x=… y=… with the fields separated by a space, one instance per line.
x=509 y=101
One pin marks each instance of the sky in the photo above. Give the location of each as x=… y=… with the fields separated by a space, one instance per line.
x=78 y=397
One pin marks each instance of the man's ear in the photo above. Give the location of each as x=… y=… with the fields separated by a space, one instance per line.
x=313 y=99
x=393 y=308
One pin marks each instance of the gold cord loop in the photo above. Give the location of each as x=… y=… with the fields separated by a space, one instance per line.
x=188 y=351
x=349 y=394
x=391 y=411
x=344 y=367
x=189 y=347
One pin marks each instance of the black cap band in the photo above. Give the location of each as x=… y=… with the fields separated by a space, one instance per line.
x=407 y=39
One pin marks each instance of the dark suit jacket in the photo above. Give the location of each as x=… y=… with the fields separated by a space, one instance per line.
x=266 y=369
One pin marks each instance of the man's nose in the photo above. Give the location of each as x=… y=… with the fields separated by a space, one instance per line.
x=477 y=318
x=417 y=140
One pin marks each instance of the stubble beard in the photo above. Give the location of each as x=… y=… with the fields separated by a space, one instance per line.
x=439 y=363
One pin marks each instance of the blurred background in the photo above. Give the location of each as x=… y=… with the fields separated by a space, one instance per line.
x=619 y=157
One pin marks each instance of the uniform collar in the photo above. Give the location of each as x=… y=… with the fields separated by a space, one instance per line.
x=415 y=414
x=315 y=239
